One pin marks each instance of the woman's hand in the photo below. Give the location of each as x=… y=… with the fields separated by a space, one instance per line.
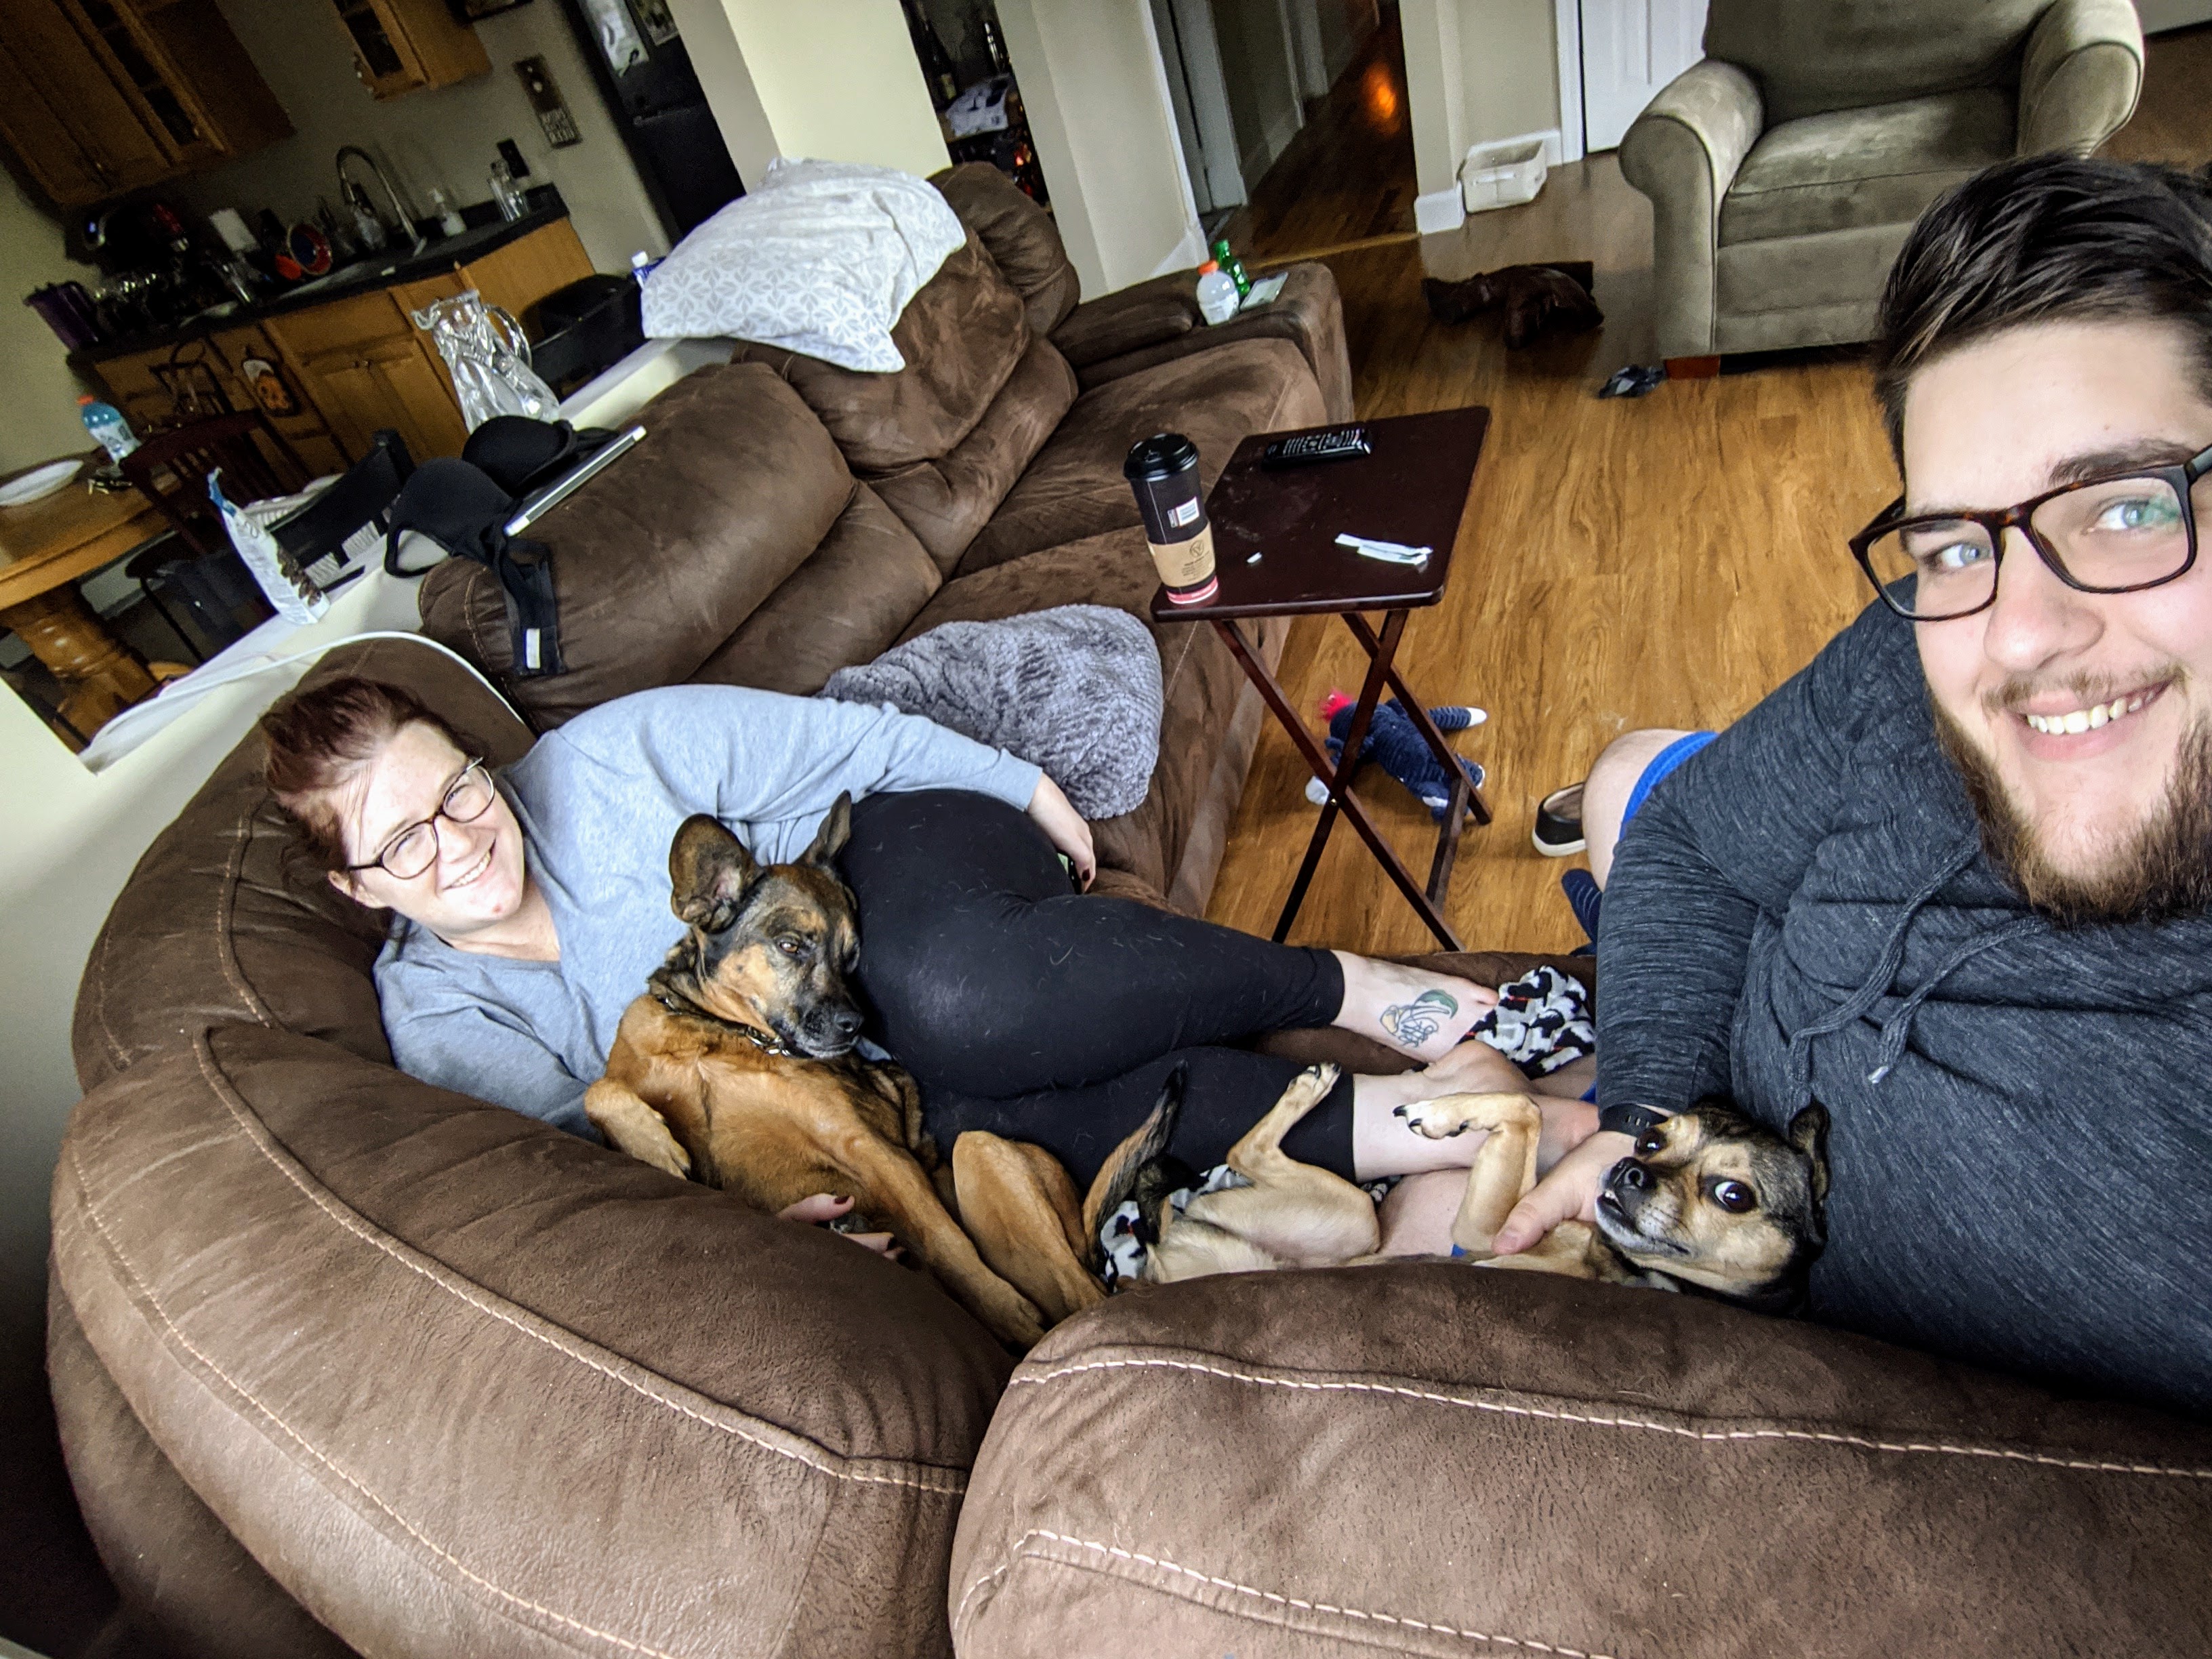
x=1568 y=1194
x=1064 y=828
x=825 y=1208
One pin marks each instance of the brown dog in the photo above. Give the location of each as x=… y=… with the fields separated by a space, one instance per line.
x=737 y=1067
x=1707 y=1199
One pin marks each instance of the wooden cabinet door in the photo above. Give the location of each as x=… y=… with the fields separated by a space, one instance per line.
x=385 y=383
x=303 y=426
x=406 y=45
x=75 y=105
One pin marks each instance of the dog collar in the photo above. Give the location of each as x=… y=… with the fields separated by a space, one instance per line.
x=764 y=1041
x=1625 y=1118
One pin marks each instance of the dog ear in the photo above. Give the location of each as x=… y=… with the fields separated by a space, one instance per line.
x=708 y=872
x=1808 y=1133
x=829 y=840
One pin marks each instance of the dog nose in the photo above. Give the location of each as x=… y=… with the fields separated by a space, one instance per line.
x=847 y=1022
x=1633 y=1175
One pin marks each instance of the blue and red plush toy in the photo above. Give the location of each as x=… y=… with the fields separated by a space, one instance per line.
x=1394 y=743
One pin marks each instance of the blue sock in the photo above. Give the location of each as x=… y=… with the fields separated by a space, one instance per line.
x=1583 y=896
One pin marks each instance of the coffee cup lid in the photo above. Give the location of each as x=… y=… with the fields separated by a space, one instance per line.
x=1160 y=456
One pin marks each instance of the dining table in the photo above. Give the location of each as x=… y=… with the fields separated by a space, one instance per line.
x=45 y=547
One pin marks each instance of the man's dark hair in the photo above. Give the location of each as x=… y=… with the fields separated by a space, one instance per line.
x=2045 y=239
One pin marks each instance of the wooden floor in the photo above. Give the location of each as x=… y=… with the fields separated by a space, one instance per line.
x=1664 y=561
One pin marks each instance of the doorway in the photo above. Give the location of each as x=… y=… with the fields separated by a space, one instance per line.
x=646 y=79
x=1628 y=50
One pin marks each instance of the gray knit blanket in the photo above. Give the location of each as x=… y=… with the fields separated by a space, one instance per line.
x=1075 y=690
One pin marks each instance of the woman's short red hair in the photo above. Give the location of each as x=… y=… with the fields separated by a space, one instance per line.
x=319 y=738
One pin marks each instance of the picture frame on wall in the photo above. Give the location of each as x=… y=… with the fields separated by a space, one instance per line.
x=656 y=20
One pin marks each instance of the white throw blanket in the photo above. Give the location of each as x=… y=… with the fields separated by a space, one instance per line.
x=821 y=258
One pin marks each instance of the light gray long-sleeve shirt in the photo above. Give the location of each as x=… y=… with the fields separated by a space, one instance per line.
x=599 y=802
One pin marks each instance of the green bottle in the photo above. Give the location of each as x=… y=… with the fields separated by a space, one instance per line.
x=1226 y=256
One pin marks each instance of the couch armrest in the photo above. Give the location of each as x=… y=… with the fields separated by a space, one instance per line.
x=1683 y=152
x=1146 y=313
x=1308 y=312
x=2081 y=76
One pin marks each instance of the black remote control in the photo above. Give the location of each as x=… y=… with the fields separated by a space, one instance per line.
x=1338 y=443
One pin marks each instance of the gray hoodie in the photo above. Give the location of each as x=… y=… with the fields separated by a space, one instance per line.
x=2022 y=1147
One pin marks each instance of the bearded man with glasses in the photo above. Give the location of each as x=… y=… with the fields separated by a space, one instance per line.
x=1952 y=880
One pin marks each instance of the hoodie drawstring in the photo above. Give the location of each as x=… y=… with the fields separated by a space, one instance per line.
x=1882 y=974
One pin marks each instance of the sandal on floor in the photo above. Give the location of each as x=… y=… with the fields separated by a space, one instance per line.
x=1559 y=832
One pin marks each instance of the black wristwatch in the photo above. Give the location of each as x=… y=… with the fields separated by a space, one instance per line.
x=1625 y=1118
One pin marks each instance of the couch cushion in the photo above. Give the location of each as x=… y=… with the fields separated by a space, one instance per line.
x=1020 y=236
x=946 y=499
x=222 y=922
x=846 y=604
x=1434 y=1459
x=465 y=1384
x=1809 y=56
x=1218 y=399
x=181 y=1574
x=1879 y=166
x=960 y=336
x=657 y=561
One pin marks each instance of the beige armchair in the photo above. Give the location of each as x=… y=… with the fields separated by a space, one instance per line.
x=1785 y=168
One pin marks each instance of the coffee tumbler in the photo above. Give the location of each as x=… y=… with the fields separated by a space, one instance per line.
x=1163 y=470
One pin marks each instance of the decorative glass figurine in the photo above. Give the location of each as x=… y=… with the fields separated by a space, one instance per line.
x=489 y=356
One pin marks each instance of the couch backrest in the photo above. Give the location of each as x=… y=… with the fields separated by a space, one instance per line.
x=1810 y=55
x=222 y=923
x=1020 y=236
x=735 y=520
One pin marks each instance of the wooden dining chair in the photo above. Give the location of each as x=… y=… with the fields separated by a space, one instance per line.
x=171 y=470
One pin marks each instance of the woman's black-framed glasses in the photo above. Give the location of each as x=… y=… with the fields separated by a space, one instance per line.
x=415 y=848
x=2117 y=533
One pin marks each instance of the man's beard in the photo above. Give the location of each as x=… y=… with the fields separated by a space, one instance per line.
x=2162 y=870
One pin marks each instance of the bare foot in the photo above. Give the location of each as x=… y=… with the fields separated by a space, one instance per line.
x=1418 y=1013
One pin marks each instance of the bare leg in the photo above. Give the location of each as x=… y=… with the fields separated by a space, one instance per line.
x=1612 y=781
x=1383 y=1145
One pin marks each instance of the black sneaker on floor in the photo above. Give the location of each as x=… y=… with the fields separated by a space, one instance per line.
x=1584 y=896
x=1559 y=832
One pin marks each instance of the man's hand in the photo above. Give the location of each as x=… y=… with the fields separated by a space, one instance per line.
x=1568 y=1194
x=825 y=1208
x=1064 y=827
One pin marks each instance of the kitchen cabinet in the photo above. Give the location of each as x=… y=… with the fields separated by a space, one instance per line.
x=350 y=366
x=406 y=45
x=99 y=97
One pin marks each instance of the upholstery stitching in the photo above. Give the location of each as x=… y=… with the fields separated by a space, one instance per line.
x=1402 y=1620
x=226 y=905
x=115 y=1049
x=92 y=1212
x=237 y=1108
x=1553 y=1414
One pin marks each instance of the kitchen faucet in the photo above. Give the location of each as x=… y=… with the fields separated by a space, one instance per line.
x=406 y=219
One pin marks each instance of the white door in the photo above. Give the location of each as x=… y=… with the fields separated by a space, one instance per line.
x=1631 y=48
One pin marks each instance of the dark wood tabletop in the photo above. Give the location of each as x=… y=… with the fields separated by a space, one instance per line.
x=1412 y=490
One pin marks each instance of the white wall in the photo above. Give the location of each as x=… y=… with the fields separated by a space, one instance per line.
x=38 y=417
x=832 y=80
x=1092 y=81
x=1475 y=71
x=1260 y=70
x=444 y=138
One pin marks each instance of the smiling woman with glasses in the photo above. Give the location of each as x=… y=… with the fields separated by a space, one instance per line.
x=2115 y=532
x=410 y=854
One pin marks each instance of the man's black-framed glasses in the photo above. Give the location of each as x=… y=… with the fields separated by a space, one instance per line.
x=415 y=848
x=2117 y=533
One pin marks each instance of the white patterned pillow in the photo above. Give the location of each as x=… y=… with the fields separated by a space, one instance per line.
x=820 y=260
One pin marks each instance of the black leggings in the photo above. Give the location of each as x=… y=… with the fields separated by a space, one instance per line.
x=1026 y=1009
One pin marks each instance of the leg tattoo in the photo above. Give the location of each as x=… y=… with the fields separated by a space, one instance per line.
x=1412 y=1024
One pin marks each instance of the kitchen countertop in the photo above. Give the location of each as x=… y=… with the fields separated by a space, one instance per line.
x=379 y=270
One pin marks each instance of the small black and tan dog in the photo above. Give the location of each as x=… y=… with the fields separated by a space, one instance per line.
x=737 y=1067
x=1708 y=1199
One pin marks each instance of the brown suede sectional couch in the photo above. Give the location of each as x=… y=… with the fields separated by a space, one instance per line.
x=345 y=1363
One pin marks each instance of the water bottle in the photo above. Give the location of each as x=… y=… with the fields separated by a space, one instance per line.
x=1226 y=257
x=105 y=422
x=1217 y=293
x=642 y=265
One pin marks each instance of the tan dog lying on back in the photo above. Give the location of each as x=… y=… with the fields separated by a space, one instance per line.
x=1708 y=1198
